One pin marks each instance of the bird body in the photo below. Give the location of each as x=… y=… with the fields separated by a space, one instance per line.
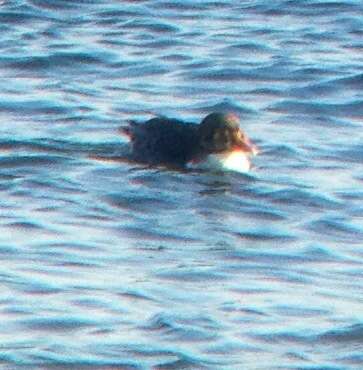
x=164 y=140
x=216 y=143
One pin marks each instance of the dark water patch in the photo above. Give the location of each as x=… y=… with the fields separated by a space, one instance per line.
x=317 y=90
x=248 y=47
x=355 y=46
x=76 y=262
x=353 y=359
x=49 y=146
x=30 y=107
x=295 y=44
x=179 y=6
x=243 y=309
x=139 y=233
x=354 y=153
x=282 y=151
x=66 y=323
x=322 y=122
x=271 y=9
x=60 y=59
x=193 y=64
x=267 y=91
x=298 y=357
x=54 y=34
x=226 y=105
x=265 y=214
x=322 y=253
x=34 y=287
x=25 y=226
x=155 y=353
x=96 y=217
x=348 y=334
x=120 y=13
x=285 y=337
x=273 y=257
x=93 y=303
x=160 y=357
x=17 y=311
x=139 y=202
x=113 y=41
x=153 y=178
x=185 y=363
x=219 y=74
x=274 y=72
x=329 y=87
x=349 y=22
x=32 y=161
x=143 y=69
x=333 y=5
x=299 y=311
x=73 y=246
x=8 y=176
x=191 y=274
x=352 y=109
x=16 y=17
x=356 y=211
x=352 y=194
x=139 y=295
x=48 y=360
x=64 y=263
x=309 y=9
x=60 y=4
x=260 y=30
x=62 y=185
x=217 y=5
x=146 y=25
x=177 y=58
x=6 y=186
x=326 y=366
x=308 y=198
x=190 y=329
x=7 y=251
x=285 y=275
x=190 y=35
x=354 y=82
x=165 y=43
x=264 y=235
x=338 y=228
x=230 y=75
x=84 y=91
x=319 y=36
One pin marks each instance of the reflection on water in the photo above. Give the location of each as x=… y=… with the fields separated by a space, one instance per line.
x=106 y=263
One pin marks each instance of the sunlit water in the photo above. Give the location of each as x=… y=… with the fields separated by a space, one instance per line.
x=106 y=264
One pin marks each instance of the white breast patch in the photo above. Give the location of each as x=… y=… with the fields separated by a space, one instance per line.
x=234 y=161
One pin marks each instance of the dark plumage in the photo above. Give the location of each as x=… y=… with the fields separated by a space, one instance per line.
x=170 y=141
x=163 y=140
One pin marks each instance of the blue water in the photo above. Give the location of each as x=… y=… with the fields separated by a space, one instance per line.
x=106 y=264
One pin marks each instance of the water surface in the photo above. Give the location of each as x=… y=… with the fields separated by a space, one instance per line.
x=106 y=264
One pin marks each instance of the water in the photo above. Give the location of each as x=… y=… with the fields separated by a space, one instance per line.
x=106 y=264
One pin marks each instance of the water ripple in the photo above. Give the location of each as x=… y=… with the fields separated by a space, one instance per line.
x=159 y=268
x=56 y=60
x=353 y=333
x=352 y=109
x=32 y=161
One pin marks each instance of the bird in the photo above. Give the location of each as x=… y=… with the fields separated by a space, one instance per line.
x=217 y=143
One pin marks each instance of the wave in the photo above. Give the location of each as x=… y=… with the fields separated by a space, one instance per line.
x=352 y=109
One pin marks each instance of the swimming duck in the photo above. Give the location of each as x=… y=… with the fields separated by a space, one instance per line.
x=216 y=143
